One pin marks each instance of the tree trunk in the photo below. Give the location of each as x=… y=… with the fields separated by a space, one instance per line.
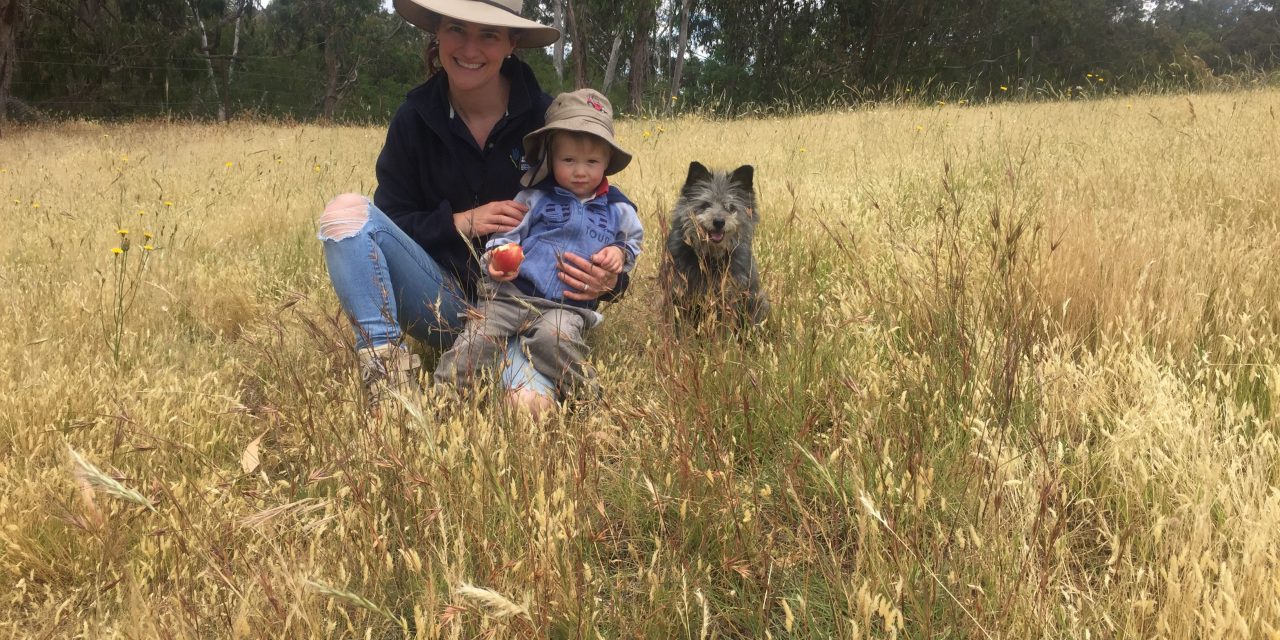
x=87 y=15
x=207 y=54
x=640 y=58
x=579 y=51
x=229 y=66
x=681 y=46
x=10 y=14
x=221 y=77
x=612 y=69
x=331 y=70
x=557 y=57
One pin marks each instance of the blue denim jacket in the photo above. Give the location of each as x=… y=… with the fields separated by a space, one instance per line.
x=558 y=222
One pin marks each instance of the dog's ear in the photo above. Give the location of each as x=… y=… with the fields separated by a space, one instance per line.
x=742 y=176
x=697 y=173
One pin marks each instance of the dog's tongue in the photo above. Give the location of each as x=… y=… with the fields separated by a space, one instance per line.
x=716 y=236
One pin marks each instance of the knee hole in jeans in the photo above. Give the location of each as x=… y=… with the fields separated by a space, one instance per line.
x=344 y=217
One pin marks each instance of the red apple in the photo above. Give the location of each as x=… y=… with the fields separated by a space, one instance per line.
x=507 y=258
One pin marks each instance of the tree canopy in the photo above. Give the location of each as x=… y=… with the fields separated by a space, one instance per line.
x=355 y=59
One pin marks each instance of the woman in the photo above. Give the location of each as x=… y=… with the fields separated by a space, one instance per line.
x=407 y=262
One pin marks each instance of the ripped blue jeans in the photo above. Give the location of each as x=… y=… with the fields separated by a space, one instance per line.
x=389 y=286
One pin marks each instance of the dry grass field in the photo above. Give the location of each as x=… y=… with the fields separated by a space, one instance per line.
x=1020 y=381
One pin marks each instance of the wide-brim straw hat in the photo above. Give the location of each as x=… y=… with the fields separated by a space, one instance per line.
x=425 y=14
x=584 y=110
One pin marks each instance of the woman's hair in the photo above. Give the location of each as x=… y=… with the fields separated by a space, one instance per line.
x=431 y=58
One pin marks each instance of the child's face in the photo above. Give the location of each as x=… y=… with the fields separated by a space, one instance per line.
x=578 y=163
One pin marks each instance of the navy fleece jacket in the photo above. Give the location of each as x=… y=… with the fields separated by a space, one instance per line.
x=431 y=167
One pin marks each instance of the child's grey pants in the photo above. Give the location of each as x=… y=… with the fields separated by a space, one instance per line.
x=552 y=335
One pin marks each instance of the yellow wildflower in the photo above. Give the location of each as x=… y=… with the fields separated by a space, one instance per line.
x=229 y=164
x=646 y=133
x=1088 y=75
x=148 y=235
x=1004 y=88
x=1101 y=79
x=802 y=149
x=124 y=158
x=317 y=168
x=123 y=232
x=35 y=205
x=168 y=203
x=3 y=170
x=147 y=247
x=117 y=250
x=919 y=128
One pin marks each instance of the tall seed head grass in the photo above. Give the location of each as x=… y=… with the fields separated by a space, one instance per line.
x=1036 y=338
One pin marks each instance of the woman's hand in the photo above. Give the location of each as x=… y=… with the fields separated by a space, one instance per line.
x=495 y=217
x=585 y=279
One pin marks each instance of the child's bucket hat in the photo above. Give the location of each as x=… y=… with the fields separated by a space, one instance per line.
x=584 y=110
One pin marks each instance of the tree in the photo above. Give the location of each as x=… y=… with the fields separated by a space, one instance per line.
x=611 y=69
x=12 y=13
x=685 y=8
x=102 y=57
x=558 y=50
x=341 y=28
x=221 y=66
x=578 y=36
x=354 y=59
x=639 y=63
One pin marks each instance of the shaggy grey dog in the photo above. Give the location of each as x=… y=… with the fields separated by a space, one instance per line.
x=710 y=270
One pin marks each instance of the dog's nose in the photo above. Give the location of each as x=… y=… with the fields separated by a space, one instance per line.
x=717 y=224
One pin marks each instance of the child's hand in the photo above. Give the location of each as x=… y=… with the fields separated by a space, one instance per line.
x=503 y=262
x=502 y=276
x=610 y=259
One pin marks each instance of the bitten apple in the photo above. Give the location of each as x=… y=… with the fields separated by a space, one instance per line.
x=507 y=258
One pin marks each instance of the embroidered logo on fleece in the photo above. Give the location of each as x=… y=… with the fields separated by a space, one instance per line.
x=518 y=161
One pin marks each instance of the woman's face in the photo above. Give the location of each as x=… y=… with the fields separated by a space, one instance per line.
x=472 y=53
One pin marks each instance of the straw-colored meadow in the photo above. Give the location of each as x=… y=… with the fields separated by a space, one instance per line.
x=1020 y=380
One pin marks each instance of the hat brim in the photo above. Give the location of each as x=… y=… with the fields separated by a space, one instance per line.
x=535 y=148
x=425 y=15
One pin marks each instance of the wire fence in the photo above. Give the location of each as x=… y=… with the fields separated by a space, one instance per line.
x=47 y=83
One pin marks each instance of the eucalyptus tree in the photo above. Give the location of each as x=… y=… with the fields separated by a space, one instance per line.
x=102 y=57
x=12 y=15
x=211 y=20
x=1224 y=34
x=341 y=29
